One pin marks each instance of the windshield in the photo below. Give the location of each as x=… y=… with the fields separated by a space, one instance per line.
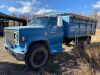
x=40 y=21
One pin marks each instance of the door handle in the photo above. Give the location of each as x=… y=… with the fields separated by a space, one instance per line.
x=54 y=29
x=53 y=32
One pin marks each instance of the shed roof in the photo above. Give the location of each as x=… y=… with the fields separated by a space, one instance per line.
x=5 y=16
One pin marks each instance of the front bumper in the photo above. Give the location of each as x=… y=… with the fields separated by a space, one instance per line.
x=18 y=56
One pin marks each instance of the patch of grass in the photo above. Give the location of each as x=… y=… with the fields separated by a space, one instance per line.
x=85 y=69
x=1 y=37
x=93 y=51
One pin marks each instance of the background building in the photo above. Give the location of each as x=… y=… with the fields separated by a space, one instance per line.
x=6 y=20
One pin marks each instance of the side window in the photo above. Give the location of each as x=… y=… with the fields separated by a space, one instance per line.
x=52 y=21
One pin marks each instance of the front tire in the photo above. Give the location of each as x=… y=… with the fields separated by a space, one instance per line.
x=37 y=56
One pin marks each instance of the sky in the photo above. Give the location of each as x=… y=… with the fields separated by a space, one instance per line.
x=40 y=6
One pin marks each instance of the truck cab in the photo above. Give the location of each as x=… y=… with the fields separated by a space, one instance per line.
x=43 y=36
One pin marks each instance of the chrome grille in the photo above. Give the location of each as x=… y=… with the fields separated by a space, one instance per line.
x=9 y=36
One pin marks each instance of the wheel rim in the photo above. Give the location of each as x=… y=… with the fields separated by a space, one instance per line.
x=39 y=58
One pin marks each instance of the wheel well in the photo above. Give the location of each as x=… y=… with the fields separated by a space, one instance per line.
x=40 y=42
x=86 y=37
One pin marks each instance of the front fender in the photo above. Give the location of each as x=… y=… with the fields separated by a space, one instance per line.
x=31 y=40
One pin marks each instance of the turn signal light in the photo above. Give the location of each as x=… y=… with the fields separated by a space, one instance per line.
x=23 y=38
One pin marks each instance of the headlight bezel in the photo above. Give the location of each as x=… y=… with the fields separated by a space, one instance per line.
x=16 y=37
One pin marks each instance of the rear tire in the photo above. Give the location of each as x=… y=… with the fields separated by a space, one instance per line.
x=37 y=56
x=84 y=42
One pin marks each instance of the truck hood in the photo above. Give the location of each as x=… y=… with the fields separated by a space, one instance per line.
x=23 y=27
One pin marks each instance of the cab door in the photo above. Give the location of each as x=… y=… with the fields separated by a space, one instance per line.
x=55 y=33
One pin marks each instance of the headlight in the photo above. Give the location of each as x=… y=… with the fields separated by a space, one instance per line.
x=16 y=38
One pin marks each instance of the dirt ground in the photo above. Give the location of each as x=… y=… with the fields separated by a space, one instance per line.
x=65 y=63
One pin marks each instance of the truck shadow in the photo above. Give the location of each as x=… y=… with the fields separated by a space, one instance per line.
x=62 y=62
x=57 y=64
x=7 y=68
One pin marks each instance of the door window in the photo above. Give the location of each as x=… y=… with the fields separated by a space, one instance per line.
x=52 y=21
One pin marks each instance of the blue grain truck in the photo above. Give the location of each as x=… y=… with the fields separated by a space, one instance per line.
x=44 y=36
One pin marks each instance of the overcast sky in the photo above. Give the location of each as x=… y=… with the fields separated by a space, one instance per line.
x=38 y=6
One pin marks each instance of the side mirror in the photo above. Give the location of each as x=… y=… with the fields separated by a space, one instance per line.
x=59 y=21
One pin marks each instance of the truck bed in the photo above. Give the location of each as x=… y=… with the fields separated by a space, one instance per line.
x=78 y=26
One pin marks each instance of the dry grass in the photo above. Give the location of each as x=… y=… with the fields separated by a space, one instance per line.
x=1 y=37
x=88 y=59
x=96 y=38
x=85 y=69
x=93 y=52
x=91 y=55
